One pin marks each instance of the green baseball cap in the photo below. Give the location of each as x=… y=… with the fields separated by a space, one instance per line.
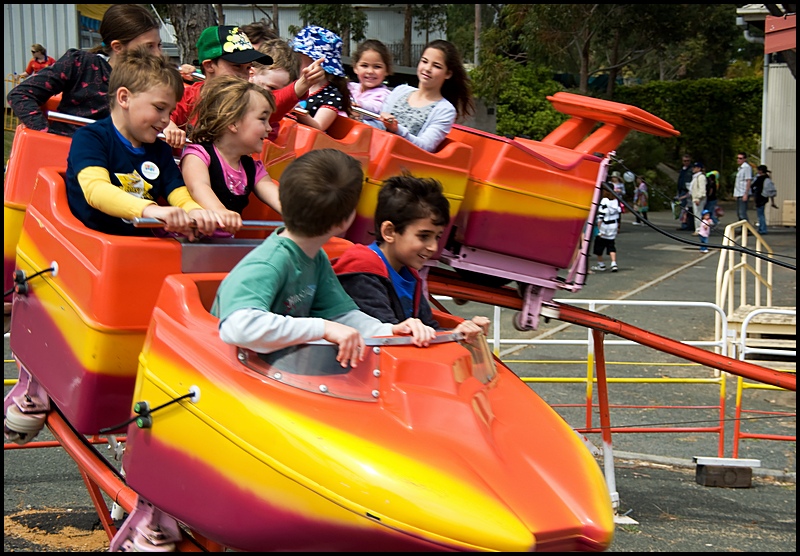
x=229 y=43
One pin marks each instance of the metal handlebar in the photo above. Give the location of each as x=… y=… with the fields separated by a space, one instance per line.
x=246 y=224
x=358 y=109
x=70 y=119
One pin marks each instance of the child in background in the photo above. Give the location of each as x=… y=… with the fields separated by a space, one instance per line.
x=330 y=97
x=619 y=189
x=117 y=168
x=608 y=214
x=258 y=32
x=425 y=115
x=283 y=69
x=705 y=230
x=222 y=50
x=284 y=292
x=383 y=278
x=372 y=62
x=281 y=77
x=231 y=123
x=641 y=200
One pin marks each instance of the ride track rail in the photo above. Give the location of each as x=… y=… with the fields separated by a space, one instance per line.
x=100 y=477
x=444 y=282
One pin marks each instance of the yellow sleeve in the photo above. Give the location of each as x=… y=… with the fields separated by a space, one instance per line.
x=103 y=195
x=183 y=199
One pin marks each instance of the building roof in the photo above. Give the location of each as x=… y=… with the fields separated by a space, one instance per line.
x=780 y=33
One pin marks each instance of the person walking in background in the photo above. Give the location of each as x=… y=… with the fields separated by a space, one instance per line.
x=641 y=200
x=372 y=62
x=704 y=230
x=619 y=190
x=607 y=226
x=425 y=115
x=712 y=184
x=39 y=61
x=698 y=190
x=683 y=195
x=81 y=76
x=741 y=189
x=759 y=198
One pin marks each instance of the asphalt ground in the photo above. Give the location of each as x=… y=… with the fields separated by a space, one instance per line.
x=662 y=508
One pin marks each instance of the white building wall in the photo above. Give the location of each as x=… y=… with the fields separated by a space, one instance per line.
x=54 y=26
x=781 y=108
x=780 y=137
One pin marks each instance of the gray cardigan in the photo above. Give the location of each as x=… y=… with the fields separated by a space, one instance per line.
x=435 y=128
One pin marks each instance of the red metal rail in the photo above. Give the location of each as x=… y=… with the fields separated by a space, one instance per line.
x=443 y=282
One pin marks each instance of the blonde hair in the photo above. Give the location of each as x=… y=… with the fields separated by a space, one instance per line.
x=283 y=57
x=223 y=101
x=138 y=71
x=36 y=47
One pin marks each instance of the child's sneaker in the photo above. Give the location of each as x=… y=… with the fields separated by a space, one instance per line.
x=614 y=267
x=599 y=267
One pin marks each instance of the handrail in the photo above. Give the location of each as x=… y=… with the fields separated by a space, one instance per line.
x=246 y=224
x=744 y=349
x=70 y=119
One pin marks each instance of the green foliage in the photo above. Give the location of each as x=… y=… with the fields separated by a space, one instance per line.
x=461 y=27
x=430 y=18
x=716 y=118
x=342 y=19
x=521 y=101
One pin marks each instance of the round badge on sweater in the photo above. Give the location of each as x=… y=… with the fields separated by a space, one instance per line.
x=150 y=170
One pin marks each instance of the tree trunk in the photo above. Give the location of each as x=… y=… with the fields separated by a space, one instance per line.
x=584 y=71
x=189 y=20
x=409 y=20
x=477 y=34
x=612 y=73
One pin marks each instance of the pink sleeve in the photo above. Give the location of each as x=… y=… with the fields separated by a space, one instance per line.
x=198 y=151
x=260 y=170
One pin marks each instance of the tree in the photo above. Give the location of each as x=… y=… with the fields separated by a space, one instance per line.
x=348 y=22
x=461 y=26
x=430 y=18
x=408 y=19
x=189 y=20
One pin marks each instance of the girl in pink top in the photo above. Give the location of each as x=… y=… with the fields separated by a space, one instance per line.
x=232 y=121
x=372 y=62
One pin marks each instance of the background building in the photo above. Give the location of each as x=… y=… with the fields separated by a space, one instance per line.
x=779 y=116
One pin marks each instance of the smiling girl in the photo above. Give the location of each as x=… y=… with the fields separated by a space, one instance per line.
x=232 y=121
x=425 y=115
